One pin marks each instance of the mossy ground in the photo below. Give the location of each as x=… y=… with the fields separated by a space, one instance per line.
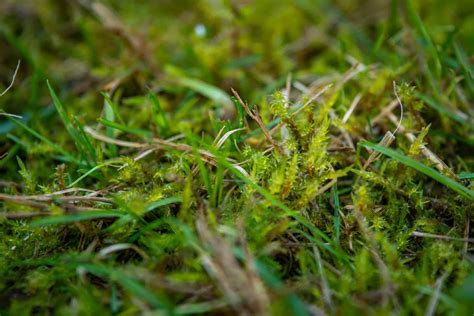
x=237 y=157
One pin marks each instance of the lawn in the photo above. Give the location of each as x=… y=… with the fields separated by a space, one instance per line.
x=236 y=157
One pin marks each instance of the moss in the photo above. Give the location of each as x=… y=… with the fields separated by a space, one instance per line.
x=135 y=184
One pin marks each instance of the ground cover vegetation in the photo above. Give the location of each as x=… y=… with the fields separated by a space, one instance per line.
x=236 y=157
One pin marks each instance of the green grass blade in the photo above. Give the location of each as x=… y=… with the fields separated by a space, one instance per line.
x=86 y=141
x=159 y=115
x=200 y=308
x=93 y=169
x=424 y=37
x=163 y=202
x=135 y=131
x=337 y=209
x=444 y=111
x=128 y=283
x=45 y=140
x=71 y=218
x=78 y=137
x=466 y=175
x=465 y=65
x=109 y=114
x=207 y=90
x=430 y=172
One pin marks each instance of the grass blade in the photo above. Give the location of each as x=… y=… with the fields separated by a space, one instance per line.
x=337 y=209
x=135 y=131
x=430 y=172
x=71 y=218
x=207 y=90
x=424 y=37
x=130 y=284
x=466 y=175
x=81 y=142
x=163 y=202
x=45 y=140
x=444 y=111
x=159 y=115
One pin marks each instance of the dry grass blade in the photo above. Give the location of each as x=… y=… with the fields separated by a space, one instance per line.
x=351 y=109
x=19 y=198
x=11 y=115
x=313 y=98
x=242 y=287
x=431 y=310
x=104 y=252
x=13 y=80
x=114 y=141
x=324 y=283
x=59 y=195
x=441 y=237
x=227 y=135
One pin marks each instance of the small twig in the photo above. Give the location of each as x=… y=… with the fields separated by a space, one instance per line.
x=257 y=118
x=386 y=141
